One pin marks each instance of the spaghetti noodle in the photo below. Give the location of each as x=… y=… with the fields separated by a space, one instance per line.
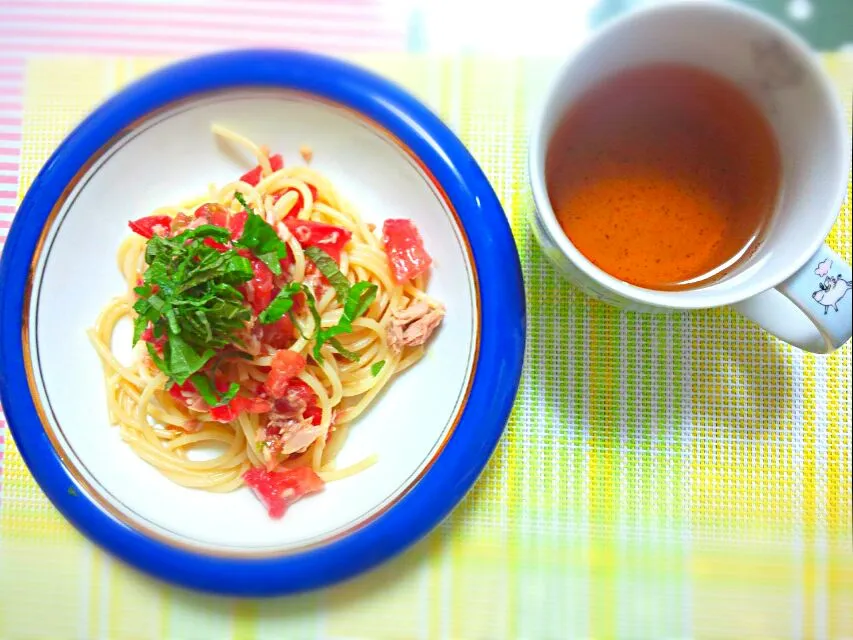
x=268 y=317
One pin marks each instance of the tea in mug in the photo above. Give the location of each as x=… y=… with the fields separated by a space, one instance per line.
x=664 y=176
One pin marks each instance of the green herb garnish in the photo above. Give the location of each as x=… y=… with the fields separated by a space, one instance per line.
x=376 y=367
x=189 y=296
x=260 y=238
x=281 y=304
x=329 y=268
x=358 y=300
x=208 y=391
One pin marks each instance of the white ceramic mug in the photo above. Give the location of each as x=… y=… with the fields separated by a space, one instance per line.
x=793 y=285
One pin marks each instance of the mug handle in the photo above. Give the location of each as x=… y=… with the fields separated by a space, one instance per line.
x=821 y=291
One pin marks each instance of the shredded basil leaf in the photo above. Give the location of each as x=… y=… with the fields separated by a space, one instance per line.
x=346 y=353
x=280 y=305
x=219 y=234
x=376 y=367
x=188 y=296
x=155 y=357
x=209 y=393
x=298 y=325
x=359 y=298
x=140 y=324
x=261 y=239
x=181 y=359
x=239 y=197
x=312 y=308
x=329 y=268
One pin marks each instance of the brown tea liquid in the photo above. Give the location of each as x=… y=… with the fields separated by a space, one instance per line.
x=664 y=176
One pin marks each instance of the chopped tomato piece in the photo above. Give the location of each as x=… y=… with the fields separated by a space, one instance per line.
x=210 y=242
x=314 y=414
x=180 y=222
x=236 y=223
x=405 y=249
x=176 y=391
x=224 y=413
x=299 y=394
x=286 y=365
x=221 y=383
x=238 y=405
x=215 y=214
x=262 y=284
x=148 y=336
x=301 y=390
x=277 y=490
x=251 y=405
x=253 y=177
x=280 y=334
x=146 y=226
x=327 y=237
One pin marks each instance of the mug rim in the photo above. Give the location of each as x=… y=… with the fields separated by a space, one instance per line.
x=701 y=297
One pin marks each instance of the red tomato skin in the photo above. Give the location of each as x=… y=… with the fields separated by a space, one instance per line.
x=297 y=391
x=238 y=405
x=225 y=413
x=236 y=223
x=251 y=405
x=280 y=334
x=148 y=336
x=314 y=414
x=277 y=490
x=176 y=389
x=327 y=237
x=286 y=365
x=213 y=244
x=253 y=177
x=145 y=226
x=404 y=247
x=215 y=214
x=262 y=284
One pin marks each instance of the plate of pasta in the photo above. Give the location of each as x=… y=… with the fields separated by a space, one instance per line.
x=262 y=322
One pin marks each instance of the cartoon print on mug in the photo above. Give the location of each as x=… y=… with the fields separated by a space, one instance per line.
x=832 y=289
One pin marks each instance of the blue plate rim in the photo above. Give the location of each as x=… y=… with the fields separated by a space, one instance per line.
x=496 y=373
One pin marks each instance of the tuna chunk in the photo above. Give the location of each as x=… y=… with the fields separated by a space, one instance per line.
x=285 y=434
x=413 y=325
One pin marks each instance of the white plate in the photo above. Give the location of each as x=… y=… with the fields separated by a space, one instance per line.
x=365 y=135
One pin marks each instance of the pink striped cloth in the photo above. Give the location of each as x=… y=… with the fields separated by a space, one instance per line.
x=11 y=114
x=183 y=28
x=179 y=28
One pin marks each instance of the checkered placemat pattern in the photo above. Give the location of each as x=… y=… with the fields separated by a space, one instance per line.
x=682 y=475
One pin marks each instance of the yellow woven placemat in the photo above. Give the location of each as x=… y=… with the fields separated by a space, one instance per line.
x=681 y=475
